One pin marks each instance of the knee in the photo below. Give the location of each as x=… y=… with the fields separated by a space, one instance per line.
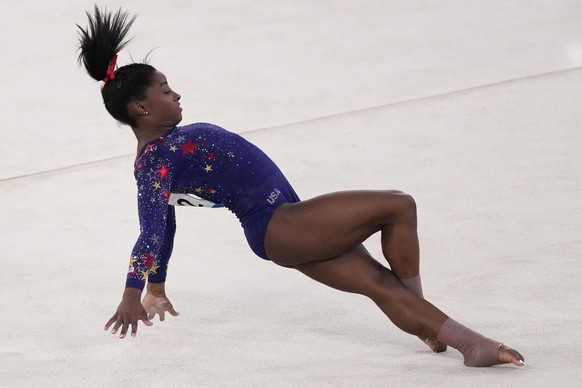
x=406 y=204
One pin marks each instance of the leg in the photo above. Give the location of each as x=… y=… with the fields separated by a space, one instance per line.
x=330 y=225
x=357 y=272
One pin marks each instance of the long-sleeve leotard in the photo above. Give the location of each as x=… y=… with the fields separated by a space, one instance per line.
x=213 y=163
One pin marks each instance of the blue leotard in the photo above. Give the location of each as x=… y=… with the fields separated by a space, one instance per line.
x=215 y=164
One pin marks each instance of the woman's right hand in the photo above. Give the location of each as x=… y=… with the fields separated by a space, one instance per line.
x=129 y=312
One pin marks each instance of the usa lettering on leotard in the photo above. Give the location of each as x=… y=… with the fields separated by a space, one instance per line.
x=273 y=197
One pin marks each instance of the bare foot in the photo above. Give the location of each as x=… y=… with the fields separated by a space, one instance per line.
x=434 y=345
x=507 y=355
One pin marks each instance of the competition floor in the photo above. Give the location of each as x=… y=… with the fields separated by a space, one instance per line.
x=471 y=106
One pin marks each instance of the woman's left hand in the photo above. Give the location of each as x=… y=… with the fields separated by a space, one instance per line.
x=155 y=301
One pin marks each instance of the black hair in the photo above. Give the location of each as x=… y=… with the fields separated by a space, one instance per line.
x=98 y=44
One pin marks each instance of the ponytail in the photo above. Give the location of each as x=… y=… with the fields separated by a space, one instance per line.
x=99 y=44
x=102 y=40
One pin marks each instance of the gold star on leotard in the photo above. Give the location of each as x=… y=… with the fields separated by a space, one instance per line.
x=157 y=185
x=144 y=275
x=208 y=168
x=154 y=269
x=173 y=148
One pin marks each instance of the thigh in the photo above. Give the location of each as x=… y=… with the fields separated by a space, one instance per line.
x=330 y=225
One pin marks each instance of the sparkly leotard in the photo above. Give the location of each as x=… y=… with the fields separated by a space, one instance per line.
x=215 y=164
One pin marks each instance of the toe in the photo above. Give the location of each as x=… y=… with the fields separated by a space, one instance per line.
x=435 y=346
x=509 y=355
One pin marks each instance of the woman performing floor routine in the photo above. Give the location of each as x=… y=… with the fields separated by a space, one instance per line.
x=320 y=237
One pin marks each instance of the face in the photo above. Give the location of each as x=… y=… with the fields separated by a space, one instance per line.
x=162 y=103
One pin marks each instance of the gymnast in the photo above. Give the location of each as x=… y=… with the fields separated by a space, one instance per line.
x=321 y=237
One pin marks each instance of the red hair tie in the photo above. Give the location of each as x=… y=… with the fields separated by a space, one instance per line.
x=110 y=74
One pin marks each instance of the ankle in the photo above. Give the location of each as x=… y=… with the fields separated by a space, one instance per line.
x=476 y=349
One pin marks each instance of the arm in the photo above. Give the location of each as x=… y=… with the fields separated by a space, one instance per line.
x=151 y=252
x=158 y=273
x=155 y=300
x=153 y=176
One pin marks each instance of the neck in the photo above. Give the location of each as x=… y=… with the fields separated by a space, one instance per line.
x=145 y=135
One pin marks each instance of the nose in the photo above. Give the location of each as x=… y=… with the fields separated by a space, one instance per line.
x=178 y=97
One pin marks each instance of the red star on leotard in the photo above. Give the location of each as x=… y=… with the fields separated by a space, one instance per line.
x=189 y=147
x=149 y=148
x=211 y=156
x=163 y=171
x=148 y=260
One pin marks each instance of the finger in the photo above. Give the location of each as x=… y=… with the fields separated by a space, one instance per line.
x=173 y=312
x=145 y=320
x=162 y=316
x=110 y=321
x=124 y=330
x=116 y=326
x=151 y=315
x=134 y=329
